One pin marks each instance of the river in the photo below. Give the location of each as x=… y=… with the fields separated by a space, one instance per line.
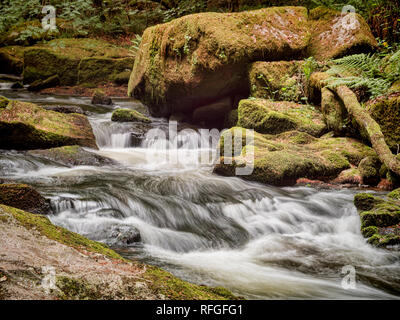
x=261 y=242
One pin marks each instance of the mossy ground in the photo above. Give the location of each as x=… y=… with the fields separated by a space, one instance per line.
x=28 y=126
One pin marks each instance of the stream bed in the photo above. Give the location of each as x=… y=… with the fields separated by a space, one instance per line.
x=261 y=242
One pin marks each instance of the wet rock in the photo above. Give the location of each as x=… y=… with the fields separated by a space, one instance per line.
x=17 y=85
x=72 y=156
x=212 y=115
x=350 y=177
x=26 y=126
x=123 y=235
x=380 y=219
x=99 y=97
x=129 y=115
x=284 y=158
x=50 y=82
x=271 y=117
x=24 y=197
x=66 y=109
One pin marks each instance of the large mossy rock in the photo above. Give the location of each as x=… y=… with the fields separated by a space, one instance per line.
x=75 y=61
x=12 y=60
x=72 y=156
x=26 y=126
x=279 y=80
x=272 y=117
x=201 y=58
x=23 y=197
x=380 y=219
x=198 y=59
x=284 y=158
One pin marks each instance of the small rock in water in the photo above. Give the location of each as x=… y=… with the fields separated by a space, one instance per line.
x=66 y=109
x=50 y=82
x=99 y=97
x=123 y=235
x=17 y=85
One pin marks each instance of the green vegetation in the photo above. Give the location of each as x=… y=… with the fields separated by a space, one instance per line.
x=128 y=115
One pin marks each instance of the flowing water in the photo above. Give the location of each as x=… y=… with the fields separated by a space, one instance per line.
x=259 y=241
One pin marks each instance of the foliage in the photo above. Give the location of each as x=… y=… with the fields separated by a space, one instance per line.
x=373 y=72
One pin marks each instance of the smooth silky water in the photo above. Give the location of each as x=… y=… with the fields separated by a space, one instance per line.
x=259 y=241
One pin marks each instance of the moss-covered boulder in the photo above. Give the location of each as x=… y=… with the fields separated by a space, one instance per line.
x=284 y=158
x=271 y=117
x=12 y=60
x=201 y=58
x=380 y=219
x=370 y=170
x=4 y=102
x=280 y=80
x=23 y=197
x=100 y=97
x=75 y=60
x=93 y=71
x=26 y=126
x=72 y=156
x=395 y=195
x=334 y=34
x=386 y=112
x=197 y=59
x=129 y=115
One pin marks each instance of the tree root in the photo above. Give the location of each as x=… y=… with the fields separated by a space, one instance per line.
x=371 y=126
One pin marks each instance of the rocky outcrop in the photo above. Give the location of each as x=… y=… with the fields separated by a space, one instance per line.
x=273 y=117
x=26 y=126
x=24 y=197
x=380 y=219
x=129 y=115
x=88 y=270
x=284 y=158
x=198 y=59
x=72 y=156
x=75 y=61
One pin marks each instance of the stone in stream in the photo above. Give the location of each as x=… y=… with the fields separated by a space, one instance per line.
x=284 y=158
x=129 y=115
x=123 y=235
x=380 y=219
x=99 y=97
x=26 y=126
x=198 y=59
x=65 y=109
x=72 y=156
x=23 y=197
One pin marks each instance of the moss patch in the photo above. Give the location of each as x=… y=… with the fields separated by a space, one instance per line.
x=3 y=102
x=128 y=115
x=380 y=219
x=280 y=81
x=12 y=60
x=270 y=117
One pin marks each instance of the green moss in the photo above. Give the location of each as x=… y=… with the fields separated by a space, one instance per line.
x=395 y=194
x=12 y=60
x=280 y=81
x=129 y=115
x=370 y=170
x=270 y=117
x=173 y=288
x=4 y=102
x=76 y=289
x=28 y=126
x=61 y=235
